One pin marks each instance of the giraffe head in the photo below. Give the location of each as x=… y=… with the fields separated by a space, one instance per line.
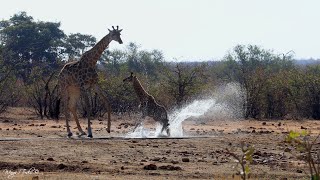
x=115 y=34
x=130 y=78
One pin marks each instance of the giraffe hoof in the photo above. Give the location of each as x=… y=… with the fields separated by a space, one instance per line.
x=82 y=134
x=90 y=136
x=70 y=134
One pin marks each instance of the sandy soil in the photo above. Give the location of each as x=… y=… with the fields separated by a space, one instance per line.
x=31 y=148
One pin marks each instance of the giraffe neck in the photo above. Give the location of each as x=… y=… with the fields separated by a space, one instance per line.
x=91 y=57
x=142 y=94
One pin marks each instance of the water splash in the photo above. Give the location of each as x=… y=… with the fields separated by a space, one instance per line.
x=194 y=109
x=142 y=132
x=225 y=103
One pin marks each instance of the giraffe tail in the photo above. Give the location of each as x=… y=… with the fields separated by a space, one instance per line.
x=58 y=101
x=57 y=108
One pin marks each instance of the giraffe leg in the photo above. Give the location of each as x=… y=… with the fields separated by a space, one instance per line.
x=109 y=118
x=67 y=115
x=89 y=110
x=72 y=106
x=165 y=126
x=144 y=111
x=138 y=123
x=106 y=103
x=168 y=130
x=74 y=113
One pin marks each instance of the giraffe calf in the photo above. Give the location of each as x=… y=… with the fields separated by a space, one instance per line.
x=148 y=104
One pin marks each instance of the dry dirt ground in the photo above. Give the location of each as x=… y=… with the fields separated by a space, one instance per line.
x=31 y=148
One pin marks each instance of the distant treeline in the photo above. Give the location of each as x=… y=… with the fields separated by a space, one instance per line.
x=33 y=52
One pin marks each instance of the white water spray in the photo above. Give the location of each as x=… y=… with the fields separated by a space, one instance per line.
x=195 y=109
x=226 y=103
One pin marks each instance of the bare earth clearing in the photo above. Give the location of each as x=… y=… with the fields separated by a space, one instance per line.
x=29 y=145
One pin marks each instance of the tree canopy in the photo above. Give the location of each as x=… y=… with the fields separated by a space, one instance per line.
x=27 y=43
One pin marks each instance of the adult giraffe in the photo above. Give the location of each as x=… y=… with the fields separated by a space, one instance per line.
x=79 y=78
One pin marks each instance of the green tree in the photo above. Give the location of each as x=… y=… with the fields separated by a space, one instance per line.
x=254 y=66
x=8 y=90
x=28 y=44
x=114 y=62
x=76 y=44
x=183 y=80
x=312 y=90
x=142 y=61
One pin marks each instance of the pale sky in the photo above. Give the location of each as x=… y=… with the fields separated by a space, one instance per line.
x=187 y=29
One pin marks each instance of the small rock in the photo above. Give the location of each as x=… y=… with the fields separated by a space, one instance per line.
x=150 y=167
x=155 y=159
x=61 y=166
x=42 y=124
x=287 y=150
x=170 y=168
x=299 y=171
x=50 y=159
x=122 y=168
x=86 y=169
x=257 y=153
x=185 y=160
x=174 y=162
x=84 y=162
x=303 y=127
x=154 y=174
x=264 y=123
